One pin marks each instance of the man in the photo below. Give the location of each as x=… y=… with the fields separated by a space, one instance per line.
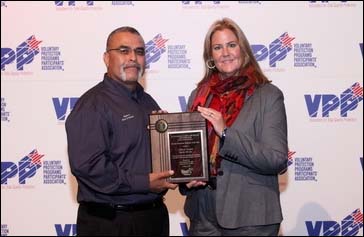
x=109 y=148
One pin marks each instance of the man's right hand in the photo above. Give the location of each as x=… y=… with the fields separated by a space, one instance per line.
x=158 y=183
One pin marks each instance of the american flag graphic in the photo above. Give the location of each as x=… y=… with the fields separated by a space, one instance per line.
x=357 y=216
x=290 y=157
x=357 y=90
x=351 y=223
x=35 y=157
x=154 y=49
x=33 y=43
x=159 y=42
x=286 y=40
x=289 y=161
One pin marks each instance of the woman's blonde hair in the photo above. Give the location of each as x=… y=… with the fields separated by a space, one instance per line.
x=246 y=51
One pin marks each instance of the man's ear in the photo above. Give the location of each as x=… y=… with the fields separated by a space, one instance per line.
x=106 y=59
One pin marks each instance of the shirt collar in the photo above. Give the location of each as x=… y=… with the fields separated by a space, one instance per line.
x=120 y=87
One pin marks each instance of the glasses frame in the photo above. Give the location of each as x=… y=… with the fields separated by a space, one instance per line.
x=125 y=50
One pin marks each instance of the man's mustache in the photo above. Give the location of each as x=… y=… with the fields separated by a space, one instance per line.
x=127 y=65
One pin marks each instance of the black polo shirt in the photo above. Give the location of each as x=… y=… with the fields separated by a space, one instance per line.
x=108 y=144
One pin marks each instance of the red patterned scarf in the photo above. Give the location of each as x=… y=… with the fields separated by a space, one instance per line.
x=231 y=93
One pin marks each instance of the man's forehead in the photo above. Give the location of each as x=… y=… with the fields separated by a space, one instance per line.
x=127 y=39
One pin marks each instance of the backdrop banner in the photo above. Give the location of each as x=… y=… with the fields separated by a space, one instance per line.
x=52 y=52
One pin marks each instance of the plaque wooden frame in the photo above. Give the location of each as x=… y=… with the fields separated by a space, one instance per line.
x=179 y=143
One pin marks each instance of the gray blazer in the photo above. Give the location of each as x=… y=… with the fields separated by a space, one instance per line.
x=254 y=153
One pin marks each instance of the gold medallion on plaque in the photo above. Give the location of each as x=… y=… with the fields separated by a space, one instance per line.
x=161 y=125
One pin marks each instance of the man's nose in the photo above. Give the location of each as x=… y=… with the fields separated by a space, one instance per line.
x=132 y=55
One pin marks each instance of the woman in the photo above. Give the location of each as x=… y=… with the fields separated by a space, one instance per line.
x=247 y=133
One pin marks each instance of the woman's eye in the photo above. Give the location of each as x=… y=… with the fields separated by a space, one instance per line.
x=217 y=47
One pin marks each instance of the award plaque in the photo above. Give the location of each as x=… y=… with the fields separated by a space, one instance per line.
x=179 y=143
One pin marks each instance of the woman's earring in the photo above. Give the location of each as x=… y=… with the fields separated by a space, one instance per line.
x=208 y=64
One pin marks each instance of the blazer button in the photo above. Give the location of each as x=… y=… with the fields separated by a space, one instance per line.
x=220 y=173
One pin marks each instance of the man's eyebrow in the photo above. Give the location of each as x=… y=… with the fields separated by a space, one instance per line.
x=125 y=46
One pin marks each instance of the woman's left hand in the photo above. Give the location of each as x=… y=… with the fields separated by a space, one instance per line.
x=215 y=118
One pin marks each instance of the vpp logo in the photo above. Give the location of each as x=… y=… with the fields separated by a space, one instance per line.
x=350 y=226
x=64 y=107
x=27 y=167
x=24 y=53
x=290 y=157
x=154 y=49
x=68 y=230
x=347 y=101
x=277 y=50
x=72 y=3
x=182 y=103
x=289 y=161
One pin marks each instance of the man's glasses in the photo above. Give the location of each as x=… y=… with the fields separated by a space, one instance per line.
x=125 y=50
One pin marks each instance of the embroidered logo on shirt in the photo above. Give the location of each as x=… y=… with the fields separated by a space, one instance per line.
x=127 y=117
